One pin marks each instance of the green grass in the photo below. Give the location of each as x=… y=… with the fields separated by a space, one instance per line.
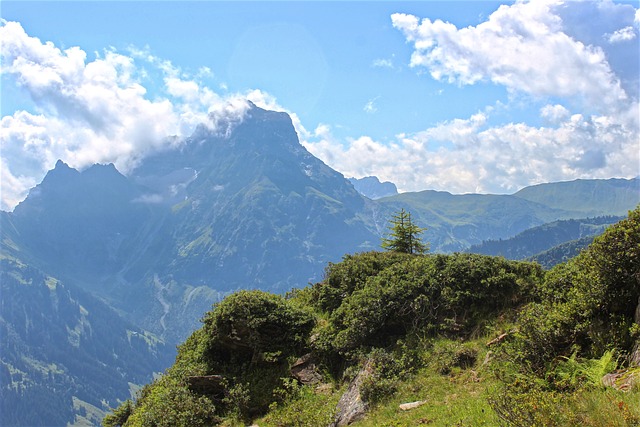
x=461 y=396
x=309 y=407
x=454 y=399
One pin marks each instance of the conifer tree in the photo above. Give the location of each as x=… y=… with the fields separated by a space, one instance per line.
x=404 y=235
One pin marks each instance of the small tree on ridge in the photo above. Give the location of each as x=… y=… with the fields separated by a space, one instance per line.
x=404 y=235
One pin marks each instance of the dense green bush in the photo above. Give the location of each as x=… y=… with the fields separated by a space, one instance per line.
x=588 y=303
x=120 y=415
x=253 y=326
x=247 y=338
x=447 y=294
x=343 y=278
x=169 y=402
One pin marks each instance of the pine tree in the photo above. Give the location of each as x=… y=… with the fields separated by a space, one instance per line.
x=404 y=235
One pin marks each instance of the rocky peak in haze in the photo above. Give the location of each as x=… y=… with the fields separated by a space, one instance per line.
x=248 y=207
x=247 y=201
x=262 y=147
x=371 y=187
x=78 y=220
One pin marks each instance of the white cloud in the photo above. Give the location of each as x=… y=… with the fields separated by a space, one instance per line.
x=622 y=35
x=521 y=47
x=469 y=155
x=554 y=113
x=524 y=48
x=90 y=111
x=382 y=63
x=370 y=107
x=11 y=186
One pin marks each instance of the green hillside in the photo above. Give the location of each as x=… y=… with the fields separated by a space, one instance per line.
x=457 y=221
x=544 y=237
x=561 y=253
x=463 y=339
x=617 y=196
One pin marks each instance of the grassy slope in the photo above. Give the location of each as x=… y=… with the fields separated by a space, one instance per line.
x=460 y=398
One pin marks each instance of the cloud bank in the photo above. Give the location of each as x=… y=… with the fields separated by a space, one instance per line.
x=588 y=123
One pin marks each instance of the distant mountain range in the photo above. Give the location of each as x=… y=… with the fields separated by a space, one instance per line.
x=148 y=253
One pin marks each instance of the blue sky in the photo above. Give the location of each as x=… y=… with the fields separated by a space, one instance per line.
x=473 y=96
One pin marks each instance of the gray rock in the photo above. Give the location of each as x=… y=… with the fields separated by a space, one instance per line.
x=624 y=380
x=634 y=357
x=412 y=405
x=306 y=371
x=351 y=407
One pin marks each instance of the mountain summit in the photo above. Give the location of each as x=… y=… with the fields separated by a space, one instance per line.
x=247 y=207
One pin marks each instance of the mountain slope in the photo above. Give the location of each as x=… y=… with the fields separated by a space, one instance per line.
x=64 y=353
x=257 y=202
x=562 y=252
x=613 y=196
x=78 y=224
x=389 y=338
x=455 y=222
x=245 y=208
x=544 y=237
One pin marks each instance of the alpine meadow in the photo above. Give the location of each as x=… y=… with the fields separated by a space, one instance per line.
x=293 y=213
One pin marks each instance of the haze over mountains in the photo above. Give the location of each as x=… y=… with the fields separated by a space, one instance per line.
x=241 y=206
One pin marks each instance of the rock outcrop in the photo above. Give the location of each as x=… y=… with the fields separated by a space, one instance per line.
x=351 y=407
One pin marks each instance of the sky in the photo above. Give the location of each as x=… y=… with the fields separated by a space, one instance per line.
x=459 y=96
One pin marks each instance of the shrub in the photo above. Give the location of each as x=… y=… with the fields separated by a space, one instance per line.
x=255 y=326
x=343 y=278
x=587 y=303
x=447 y=294
x=120 y=415
x=247 y=338
x=167 y=402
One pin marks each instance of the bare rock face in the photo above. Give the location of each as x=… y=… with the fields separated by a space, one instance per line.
x=306 y=371
x=351 y=407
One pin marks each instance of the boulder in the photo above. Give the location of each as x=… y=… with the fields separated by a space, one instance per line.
x=306 y=371
x=623 y=380
x=351 y=407
x=634 y=357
